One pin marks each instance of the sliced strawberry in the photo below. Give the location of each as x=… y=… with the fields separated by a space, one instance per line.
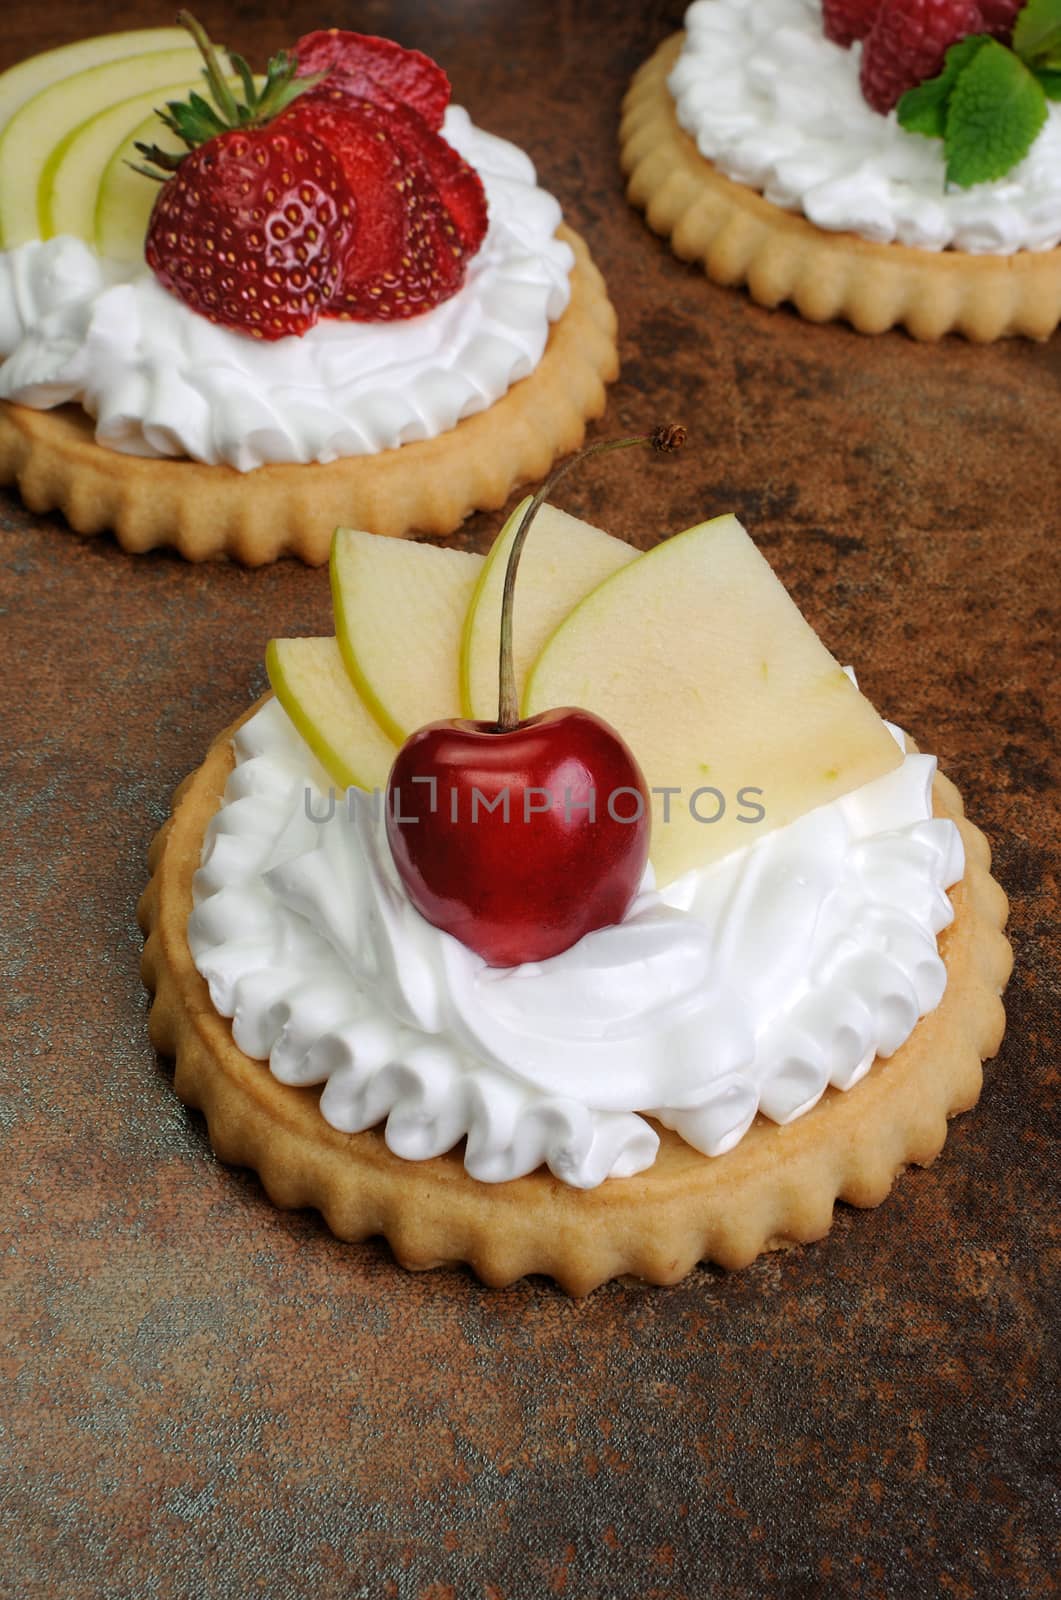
x=408 y=76
x=459 y=186
x=253 y=230
x=407 y=255
x=356 y=83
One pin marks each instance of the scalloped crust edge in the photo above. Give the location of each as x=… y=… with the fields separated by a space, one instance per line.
x=739 y=237
x=427 y=487
x=777 y=1187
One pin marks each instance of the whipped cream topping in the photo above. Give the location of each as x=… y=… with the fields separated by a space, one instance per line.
x=775 y=104
x=163 y=381
x=750 y=986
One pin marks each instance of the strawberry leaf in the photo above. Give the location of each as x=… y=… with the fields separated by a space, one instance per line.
x=997 y=108
x=1037 y=34
x=246 y=78
x=195 y=121
x=924 y=109
x=206 y=114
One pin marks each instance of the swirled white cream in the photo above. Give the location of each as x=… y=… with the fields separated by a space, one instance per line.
x=748 y=987
x=161 y=380
x=775 y=104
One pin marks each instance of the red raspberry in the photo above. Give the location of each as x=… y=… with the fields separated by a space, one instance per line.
x=999 y=16
x=848 y=20
x=908 y=42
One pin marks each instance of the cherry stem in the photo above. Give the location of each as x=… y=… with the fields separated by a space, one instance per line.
x=664 y=440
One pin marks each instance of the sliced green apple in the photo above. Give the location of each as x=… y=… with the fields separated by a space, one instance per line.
x=314 y=688
x=703 y=662
x=125 y=199
x=43 y=121
x=399 y=610
x=70 y=181
x=20 y=83
x=564 y=559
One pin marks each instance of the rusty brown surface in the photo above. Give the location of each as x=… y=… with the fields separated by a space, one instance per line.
x=206 y=1397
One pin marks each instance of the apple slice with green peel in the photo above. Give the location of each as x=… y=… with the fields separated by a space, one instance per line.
x=696 y=654
x=45 y=120
x=20 y=83
x=312 y=684
x=125 y=198
x=399 y=610
x=72 y=175
x=564 y=561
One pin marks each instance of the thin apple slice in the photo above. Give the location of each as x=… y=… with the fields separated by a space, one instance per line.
x=563 y=560
x=71 y=177
x=399 y=610
x=703 y=662
x=45 y=120
x=125 y=199
x=314 y=688
x=20 y=83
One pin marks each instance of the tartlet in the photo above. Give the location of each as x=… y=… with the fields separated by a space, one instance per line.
x=345 y=303
x=777 y=1187
x=739 y=237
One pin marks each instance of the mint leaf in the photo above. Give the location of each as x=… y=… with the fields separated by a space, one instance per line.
x=1037 y=33
x=924 y=109
x=1051 y=82
x=996 y=110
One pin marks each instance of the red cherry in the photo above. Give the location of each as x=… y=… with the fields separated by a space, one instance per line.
x=519 y=838
x=537 y=835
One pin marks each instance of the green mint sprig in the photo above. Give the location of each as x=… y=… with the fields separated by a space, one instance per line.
x=989 y=102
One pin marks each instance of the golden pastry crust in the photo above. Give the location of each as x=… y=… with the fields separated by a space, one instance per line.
x=777 y=1187
x=739 y=237
x=428 y=487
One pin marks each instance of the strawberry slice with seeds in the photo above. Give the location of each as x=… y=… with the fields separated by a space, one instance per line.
x=253 y=230
x=407 y=255
x=416 y=92
x=459 y=186
x=407 y=76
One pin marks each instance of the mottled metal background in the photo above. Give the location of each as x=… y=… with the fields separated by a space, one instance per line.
x=206 y=1397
